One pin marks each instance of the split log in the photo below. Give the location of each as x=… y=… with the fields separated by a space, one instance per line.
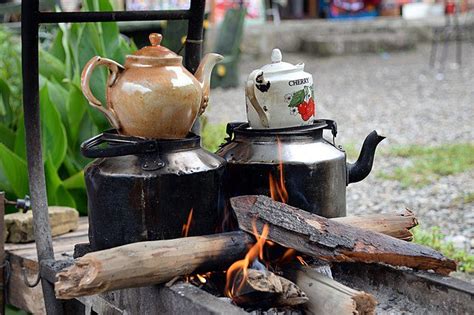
x=327 y=296
x=332 y=241
x=147 y=263
x=265 y=289
x=396 y=225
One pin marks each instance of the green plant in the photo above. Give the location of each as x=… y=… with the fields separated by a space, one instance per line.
x=66 y=117
x=10 y=84
x=430 y=163
x=435 y=239
x=213 y=135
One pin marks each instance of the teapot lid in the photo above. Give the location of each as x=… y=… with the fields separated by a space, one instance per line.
x=278 y=65
x=155 y=50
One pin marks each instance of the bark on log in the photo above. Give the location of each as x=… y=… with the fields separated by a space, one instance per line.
x=395 y=225
x=332 y=241
x=147 y=263
x=327 y=296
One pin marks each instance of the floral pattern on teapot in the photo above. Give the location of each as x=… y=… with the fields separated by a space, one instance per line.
x=302 y=102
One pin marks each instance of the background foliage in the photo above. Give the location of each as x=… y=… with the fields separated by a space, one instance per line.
x=66 y=117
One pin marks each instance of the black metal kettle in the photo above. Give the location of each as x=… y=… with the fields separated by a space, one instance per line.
x=145 y=189
x=296 y=164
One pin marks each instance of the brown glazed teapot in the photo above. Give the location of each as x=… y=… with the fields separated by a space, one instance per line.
x=153 y=95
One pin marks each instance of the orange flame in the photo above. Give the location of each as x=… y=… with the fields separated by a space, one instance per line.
x=185 y=230
x=238 y=272
x=278 y=190
x=302 y=261
x=201 y=278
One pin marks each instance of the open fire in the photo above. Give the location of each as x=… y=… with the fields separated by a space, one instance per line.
x=237 y=273
x=278 y=191
x=264 y=255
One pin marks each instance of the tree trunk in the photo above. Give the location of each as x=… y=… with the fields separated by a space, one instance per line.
x=332 y=241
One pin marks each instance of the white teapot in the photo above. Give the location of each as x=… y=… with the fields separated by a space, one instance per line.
x=280 y=95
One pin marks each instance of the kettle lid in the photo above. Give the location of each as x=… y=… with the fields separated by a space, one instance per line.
x=278 y=65
x=155 y=49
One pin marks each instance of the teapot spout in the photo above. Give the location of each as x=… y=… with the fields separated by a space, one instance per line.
x=362 y=167
x=203 y=75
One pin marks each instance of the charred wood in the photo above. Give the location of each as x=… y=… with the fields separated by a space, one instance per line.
x=333 y=241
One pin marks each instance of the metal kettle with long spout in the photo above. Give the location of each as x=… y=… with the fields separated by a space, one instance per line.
x=295 y=165
x=152 y=95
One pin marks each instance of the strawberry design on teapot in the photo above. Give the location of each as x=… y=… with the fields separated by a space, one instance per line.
x=280 y=95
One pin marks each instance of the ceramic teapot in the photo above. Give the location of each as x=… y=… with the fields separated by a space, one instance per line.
x=152 y=95
x=280 y=95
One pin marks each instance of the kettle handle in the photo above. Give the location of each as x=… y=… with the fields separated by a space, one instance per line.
x=250 y=92
x=115 y=69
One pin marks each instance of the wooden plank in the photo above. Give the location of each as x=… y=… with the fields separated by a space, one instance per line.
x=19 y=294
x=24 y=256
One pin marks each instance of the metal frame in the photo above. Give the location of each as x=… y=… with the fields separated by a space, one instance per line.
x=31 y=18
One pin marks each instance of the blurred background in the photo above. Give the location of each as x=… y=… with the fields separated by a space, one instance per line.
x=402 y=67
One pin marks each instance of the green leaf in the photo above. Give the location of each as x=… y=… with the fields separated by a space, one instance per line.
x=13 y=172
x=297 y=98
x=5 y=99
x=76 y=181
x=53 y=132
x=51 y=67
x=77 y=106
x=7 y=137
x=20 y=140
x=57 y=48
x=59 y=96
x=57 y=193
x=7 y=113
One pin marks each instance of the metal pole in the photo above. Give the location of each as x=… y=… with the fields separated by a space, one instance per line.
x=64 y=17
x=37 y=184
x=194 y=39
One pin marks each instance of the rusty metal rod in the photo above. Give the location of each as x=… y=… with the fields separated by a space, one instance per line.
x=36 y=177
x=195 y=35
x=82 y=17
x=193 y=50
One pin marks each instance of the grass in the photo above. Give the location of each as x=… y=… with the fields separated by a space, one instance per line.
x=428 y=164
x=468 y=197
x=435 y=239
x=352 y=151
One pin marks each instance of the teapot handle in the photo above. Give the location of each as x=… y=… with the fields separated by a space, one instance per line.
x=115 y=69
x=250 y=92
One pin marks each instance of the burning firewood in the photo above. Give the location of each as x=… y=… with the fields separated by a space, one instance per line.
x=264 y=289
x=332 y=241
x=147 y=263
x=156 y=262
x=327 y=296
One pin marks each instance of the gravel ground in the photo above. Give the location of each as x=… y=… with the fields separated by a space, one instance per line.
x=402 y=98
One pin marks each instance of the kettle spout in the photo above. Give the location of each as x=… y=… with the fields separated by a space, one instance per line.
x=203 y=75
x=362 y=167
